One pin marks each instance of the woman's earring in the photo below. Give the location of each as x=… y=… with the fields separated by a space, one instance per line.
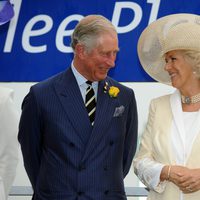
x=194 y=72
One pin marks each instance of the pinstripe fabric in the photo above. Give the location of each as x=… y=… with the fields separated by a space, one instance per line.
x=64 y=156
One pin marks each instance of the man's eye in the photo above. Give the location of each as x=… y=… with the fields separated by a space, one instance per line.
x=103 y=53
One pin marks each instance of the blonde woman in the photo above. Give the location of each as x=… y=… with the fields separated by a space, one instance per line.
x=168 y=161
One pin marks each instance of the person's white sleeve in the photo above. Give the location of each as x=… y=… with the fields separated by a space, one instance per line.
x=146 y=168
x=2 y=191
x=148 y=171
x=9 y=119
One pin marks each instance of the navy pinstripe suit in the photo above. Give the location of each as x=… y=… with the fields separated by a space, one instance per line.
x=65 y=158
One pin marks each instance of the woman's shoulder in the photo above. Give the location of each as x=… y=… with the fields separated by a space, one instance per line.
x=161 y=100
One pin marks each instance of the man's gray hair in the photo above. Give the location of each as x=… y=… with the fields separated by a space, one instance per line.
x=88 y=29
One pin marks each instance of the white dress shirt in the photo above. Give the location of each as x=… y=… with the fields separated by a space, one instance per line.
x=81 y=80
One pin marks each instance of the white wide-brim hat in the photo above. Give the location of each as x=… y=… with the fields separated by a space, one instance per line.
x=6 y=12
x=172 y=32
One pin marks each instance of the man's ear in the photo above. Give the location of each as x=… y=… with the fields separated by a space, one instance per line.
x=80 y=51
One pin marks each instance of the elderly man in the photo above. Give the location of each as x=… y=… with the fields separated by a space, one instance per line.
x=78 y=129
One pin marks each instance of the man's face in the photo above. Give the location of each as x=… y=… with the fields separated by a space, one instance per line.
x=98 y=61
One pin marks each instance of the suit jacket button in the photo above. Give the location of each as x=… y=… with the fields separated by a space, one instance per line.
x=106 y=192
x=71 y=144
x=105 y=168
x=111 y=143
x=80 y=193
x=81 y=167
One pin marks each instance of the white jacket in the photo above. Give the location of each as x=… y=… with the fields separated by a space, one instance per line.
x=156 y=146
x=9 y=119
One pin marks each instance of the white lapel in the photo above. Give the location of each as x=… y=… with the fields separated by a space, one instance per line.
x=179 y=139
x=176 y=107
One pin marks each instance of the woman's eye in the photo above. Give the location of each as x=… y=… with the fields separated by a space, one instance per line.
x=169 y=60
x=166 y=60
x=173 y=59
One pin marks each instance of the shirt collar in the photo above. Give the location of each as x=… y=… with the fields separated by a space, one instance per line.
x=80 y=78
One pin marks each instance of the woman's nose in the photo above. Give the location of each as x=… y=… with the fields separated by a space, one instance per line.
x=167 y=66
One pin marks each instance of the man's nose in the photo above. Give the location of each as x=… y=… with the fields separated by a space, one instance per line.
x=111 y=60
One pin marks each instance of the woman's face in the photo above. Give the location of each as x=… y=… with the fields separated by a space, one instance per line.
x=179 y=70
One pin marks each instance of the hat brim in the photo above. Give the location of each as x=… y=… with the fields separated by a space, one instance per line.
x=151 y=44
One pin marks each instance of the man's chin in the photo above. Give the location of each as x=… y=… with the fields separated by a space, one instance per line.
x=101 y=76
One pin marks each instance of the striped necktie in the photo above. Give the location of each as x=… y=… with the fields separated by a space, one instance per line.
x=90 y=102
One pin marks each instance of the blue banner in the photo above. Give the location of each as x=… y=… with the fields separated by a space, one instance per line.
x=36 y=43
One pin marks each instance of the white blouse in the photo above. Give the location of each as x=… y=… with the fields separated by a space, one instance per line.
x=182 y=143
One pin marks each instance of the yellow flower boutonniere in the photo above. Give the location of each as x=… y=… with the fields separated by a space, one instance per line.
x=112 y=90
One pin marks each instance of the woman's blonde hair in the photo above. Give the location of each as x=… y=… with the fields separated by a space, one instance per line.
x=193 y=58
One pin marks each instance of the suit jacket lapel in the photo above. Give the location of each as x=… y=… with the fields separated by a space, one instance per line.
x=70 y=97
x=164 y=130
x=104 y=114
